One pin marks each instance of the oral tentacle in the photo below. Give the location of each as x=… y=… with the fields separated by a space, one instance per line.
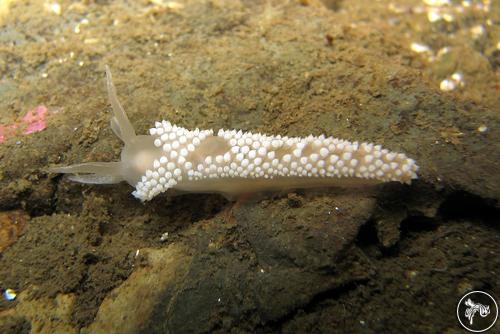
x=96 y=172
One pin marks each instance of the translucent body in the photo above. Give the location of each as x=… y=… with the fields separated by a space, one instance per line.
x=233 y=162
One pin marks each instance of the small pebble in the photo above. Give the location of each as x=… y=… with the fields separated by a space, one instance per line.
x=9 y=294
x=164 y=237
x=482 y=128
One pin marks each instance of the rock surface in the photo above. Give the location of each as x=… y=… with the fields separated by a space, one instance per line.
x=392 y=258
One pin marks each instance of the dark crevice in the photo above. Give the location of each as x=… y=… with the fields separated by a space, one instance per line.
x=463 y=205
x=368 y=241
x=367 y=235
x=333 y=294
x=455 y=206
x=418 y=224
x=314 y=304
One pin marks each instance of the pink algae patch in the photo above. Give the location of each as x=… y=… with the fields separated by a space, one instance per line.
x=33 y=121
x=7 y=131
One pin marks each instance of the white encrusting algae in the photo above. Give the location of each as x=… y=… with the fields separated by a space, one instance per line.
x=232 y=162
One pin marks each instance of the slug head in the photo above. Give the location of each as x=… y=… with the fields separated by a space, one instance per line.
x=137 y=155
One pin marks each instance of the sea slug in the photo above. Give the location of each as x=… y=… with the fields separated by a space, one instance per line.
x=233 y=162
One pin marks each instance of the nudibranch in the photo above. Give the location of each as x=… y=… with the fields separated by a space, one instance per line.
x=233 y=162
